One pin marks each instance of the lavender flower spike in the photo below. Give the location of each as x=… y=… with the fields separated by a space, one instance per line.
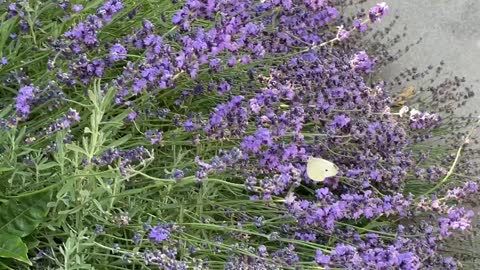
x=377 y=12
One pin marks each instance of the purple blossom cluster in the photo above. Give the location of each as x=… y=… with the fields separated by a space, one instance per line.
x=361 y=62
x=239 y=38
x=165 y=259
x=159 y=233
x=81 y=39
x=64 y=122
x=228 y=120
x=77 y=8
x=108 y=9
x=219 y=163
x=29 y=97
x=154 y=136
x=457 y=219
x=117 y=53
x=85 y=33
x=26 y=97
x=327 y=210
x=284 y=257
x=423 y=120
x=123 y=158
x=467 y=192
x=377 y=12
x=373 y=251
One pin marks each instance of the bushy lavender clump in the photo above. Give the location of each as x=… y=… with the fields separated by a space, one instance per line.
x=350 y=124
x=242 y=39
x=371 y=251
x=81 y=39
x=292 y=97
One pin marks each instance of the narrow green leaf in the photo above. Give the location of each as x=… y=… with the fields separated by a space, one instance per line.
x=47 y=165
x=375 y=224
x=75 y=148
x=5 y=111
x=118 y=142
x=107 y=100
x=11 y=246
x=60 y=153
x=20 y=136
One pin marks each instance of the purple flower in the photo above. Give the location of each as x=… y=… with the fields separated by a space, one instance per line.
x=254 y=143
x=246 y=59
x=361 y=62
x=132 y=116
x=139 y=85
x=84 y=33
x=423 y=120
x=77 y=8
x=27 y=95
x=109 y=8
x=340 y=121
x=117 y=53
x=321 y=259
x=189 y=125
x=178 y=174
x=359 y=25
x=3 y=61
x=155 y=136
x=158 y=234
x=216 y=64
x=64 y=122
x=232 y=61
x=13 y=10
x=377 y=12
x=224 y=87
x=343 y=34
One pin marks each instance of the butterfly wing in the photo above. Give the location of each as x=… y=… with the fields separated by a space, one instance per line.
x=404 y=96
x=318 y=169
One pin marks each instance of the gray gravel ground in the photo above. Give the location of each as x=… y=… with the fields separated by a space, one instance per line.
x=450 y=32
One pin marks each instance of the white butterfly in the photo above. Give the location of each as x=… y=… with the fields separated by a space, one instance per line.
x=318 y=169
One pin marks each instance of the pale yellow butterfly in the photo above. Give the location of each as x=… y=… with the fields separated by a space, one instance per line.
x=318 y=169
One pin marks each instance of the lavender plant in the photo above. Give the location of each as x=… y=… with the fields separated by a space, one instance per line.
x=178 y=135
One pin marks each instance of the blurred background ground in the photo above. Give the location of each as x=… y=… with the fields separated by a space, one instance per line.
x=449 y=33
